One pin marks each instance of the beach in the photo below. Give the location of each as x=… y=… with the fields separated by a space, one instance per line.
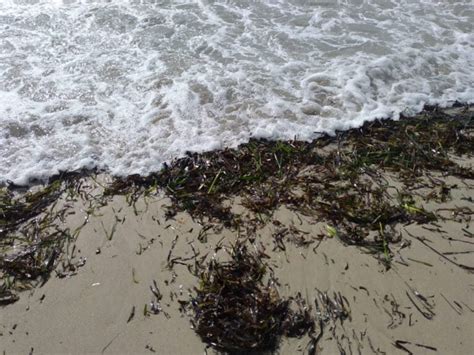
x=401 y=282
x=236 y=177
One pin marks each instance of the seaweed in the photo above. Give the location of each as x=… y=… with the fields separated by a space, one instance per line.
x=236 y=310
x=31 y=239
x=14 y=211
x=266 y=173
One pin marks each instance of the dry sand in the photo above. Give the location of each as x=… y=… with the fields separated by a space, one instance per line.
x=90 y=312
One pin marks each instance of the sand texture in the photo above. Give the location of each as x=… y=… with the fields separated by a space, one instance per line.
x=89 y=312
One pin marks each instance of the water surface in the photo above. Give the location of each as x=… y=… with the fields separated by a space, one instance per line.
x=128 y=85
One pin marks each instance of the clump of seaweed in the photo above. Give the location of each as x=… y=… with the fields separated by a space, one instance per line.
x=14 y=211
x=31 y=240
x=412 y=146
x=235 y=310
x=265 y=172
x=199 y=183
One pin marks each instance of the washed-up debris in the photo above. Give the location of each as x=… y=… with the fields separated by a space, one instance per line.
x=266 y=171
x=30 y=243
x=237 y=308
x=400 y=344
x=32 y=238
x=336 y=179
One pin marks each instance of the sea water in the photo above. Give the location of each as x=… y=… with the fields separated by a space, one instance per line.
x=125 y=85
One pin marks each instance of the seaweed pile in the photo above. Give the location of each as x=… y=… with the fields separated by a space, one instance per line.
x=237 y=311
x=31 y=236
x=267 y=170
x=337 y=179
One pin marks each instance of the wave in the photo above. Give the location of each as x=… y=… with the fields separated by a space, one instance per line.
x=128 y=85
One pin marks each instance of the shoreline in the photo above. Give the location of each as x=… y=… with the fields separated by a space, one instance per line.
x=378 y=217
x=85 y=172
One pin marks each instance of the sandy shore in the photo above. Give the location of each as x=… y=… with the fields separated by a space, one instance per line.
x=422 y=303
x=89 y=312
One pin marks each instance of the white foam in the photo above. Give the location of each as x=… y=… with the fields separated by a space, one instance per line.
x=128 y=85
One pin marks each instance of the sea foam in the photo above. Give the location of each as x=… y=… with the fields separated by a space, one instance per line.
x=128 y=85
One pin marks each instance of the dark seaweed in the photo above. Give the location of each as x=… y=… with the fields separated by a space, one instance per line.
x=236 y=310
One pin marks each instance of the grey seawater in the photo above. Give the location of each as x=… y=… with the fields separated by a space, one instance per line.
x=127 y=85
